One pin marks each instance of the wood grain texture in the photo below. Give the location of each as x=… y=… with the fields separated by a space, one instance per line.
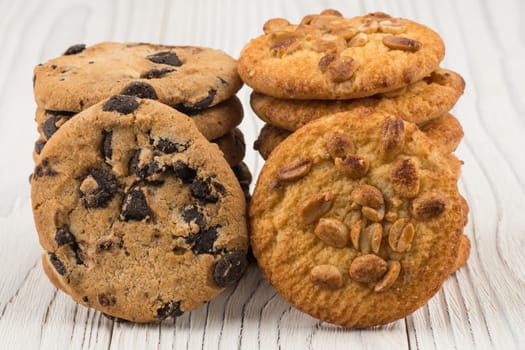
x=482 y=306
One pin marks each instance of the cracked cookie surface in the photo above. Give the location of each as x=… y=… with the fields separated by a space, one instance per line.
x=327 y=56
x=373 y=214
x=139 y=215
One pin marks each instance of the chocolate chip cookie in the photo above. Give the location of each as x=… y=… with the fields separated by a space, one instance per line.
x=232 y=146
x=372 y=212
x=419 y=102
x=327 y=56
x=139 y=215
x=217 y=121
x=187 y=78
x=213 y=122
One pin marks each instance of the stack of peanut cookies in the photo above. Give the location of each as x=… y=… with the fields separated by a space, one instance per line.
x=199 y=82
x=356 y=217
x=140 y=216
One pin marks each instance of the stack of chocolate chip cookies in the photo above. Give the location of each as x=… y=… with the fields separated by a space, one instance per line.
x=139 y=214
x=356 y=217
x=199 y=82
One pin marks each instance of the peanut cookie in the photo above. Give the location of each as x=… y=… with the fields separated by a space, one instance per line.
x=139 y=215
x=445 y=132
x=373 y=215
x=185 y=77
x=418 y=103
x=232 y=146
x=463 y=253
x=327 y=56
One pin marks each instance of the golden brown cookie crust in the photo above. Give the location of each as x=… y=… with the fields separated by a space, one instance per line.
x=330 y=57
x=445 y=132
x=373 y=215
x=463 y=253
x=139 y=215
x=418 y=103
x=83 y=76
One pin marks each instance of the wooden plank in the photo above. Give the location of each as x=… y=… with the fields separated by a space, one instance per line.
x=481 y=306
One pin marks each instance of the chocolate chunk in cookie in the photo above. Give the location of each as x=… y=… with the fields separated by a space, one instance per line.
x=168 y=146
x=74 y=49
x=184 y=172
x=169 y=310
x=43 y=169
x=53 y=122
x=39 y=144
x=106 y=150
x=202 y=242
x=230 y=268
x=140 y=89
x=97 y=188
x=49 y=127
x=64 y=236
x=57 y=264
x=135 y=206
x=106 y=299
x=156 y=73
x=121 y=103
x=202 y=190
x=145 y=166
x=198 y=106
x=166 y=57
x=193 y=214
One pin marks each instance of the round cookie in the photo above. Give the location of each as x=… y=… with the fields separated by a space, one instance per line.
x=418 y=103
x=327 y=56
x=187 y=78
x=232 y=146
x=445 y=132
x=373 y=215
x=139 y=215
x=213 y=122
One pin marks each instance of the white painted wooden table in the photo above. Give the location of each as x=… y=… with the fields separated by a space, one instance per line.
x=482 y=306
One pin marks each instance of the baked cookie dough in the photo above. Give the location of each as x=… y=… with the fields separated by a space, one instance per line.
x=357 y=220
x=418 y=103
x=327 y=56
x=139 y=215
x=187 y=78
